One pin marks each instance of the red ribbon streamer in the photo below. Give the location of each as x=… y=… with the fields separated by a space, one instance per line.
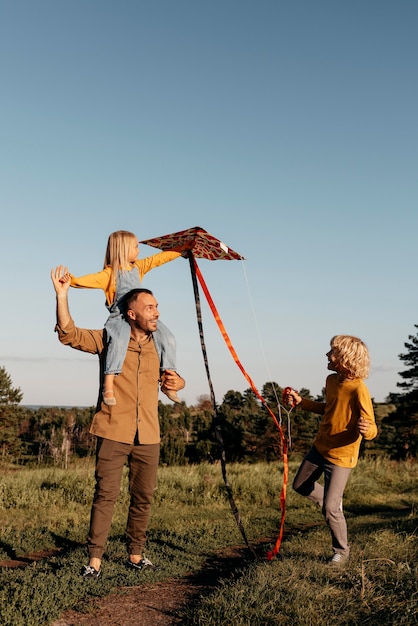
x=271 y=553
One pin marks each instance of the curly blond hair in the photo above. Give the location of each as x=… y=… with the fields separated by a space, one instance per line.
x=351 y=356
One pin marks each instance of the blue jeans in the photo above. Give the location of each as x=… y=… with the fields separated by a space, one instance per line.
x=328 y=497
x=118 y=333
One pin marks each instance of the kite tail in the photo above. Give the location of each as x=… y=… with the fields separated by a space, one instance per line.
x=216 y=421
x=196 y=272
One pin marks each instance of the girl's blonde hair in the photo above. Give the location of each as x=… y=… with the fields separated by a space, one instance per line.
x=351 y=356
x=117 y=251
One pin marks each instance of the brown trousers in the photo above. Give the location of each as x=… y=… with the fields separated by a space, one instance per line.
x=111 y=457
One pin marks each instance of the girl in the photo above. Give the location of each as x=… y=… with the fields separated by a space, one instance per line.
x=347 y=417
x=123 y=271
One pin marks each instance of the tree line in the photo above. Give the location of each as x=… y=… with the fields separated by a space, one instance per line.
x=54 y=435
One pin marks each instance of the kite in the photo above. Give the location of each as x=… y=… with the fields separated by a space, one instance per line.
x=198 y=243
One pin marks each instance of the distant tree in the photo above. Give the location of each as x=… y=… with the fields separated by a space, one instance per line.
x=302 y=426
x=233 y=400
x=272 y=393
x=204 y=403
x=10 y=415
x=174 y=427
x=410 y=358
x=398 y=435
x=233 y=424
x=55 y=435
x=399 y=430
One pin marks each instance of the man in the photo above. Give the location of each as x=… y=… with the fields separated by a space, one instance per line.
x=128 y=430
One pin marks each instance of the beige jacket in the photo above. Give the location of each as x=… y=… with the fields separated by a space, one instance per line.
x=136 y=387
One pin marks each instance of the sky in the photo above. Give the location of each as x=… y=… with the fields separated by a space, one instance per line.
x=286 y=129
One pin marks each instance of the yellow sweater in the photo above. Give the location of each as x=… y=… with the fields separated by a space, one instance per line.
x=104 y=279
x=338 y=439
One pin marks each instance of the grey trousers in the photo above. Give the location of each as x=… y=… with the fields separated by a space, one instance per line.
x=328 y=497
x=111 y=457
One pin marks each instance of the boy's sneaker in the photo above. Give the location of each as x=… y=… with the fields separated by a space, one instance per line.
x=90 y=572
x=338 y=559
x=142 y=564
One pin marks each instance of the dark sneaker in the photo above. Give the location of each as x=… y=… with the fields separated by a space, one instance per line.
x=141 y=565
x=90 y=572
x=338 y=559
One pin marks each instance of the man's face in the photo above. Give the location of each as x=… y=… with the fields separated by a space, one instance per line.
x=143 y=313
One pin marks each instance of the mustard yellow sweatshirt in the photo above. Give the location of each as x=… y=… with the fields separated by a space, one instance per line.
x=338 y=439
x=104 y=279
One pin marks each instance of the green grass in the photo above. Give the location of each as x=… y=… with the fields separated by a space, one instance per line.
x=48 y=509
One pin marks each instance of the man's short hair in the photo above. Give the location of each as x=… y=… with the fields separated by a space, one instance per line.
x=131 y=296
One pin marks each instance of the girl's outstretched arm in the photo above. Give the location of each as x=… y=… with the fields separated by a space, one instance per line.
x=65 y=278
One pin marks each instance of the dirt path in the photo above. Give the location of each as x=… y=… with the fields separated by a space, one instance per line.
x=155 y=604
x=148 y=604
x=151 y=604
x=158 y=604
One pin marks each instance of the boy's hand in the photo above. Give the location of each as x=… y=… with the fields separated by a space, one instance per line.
x=363 y=425
x=291 y=397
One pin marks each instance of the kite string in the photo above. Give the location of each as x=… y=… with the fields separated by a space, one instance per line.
x=229 y=343
x=270 y=554
x=259 y=334
x=280 y=408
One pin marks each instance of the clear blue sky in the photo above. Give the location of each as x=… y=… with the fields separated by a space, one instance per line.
x=287 y=129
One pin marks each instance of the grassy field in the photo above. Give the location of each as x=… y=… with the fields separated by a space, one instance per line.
x=48 y=510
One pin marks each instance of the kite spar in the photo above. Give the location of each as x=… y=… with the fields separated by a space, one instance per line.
x=198 y=243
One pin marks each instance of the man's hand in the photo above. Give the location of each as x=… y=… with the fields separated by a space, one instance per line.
x=61 y=280
x=172 y=381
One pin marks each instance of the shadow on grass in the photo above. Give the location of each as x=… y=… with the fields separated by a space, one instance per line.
x=379 y=509
x=382 y=517
x=63 y=546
